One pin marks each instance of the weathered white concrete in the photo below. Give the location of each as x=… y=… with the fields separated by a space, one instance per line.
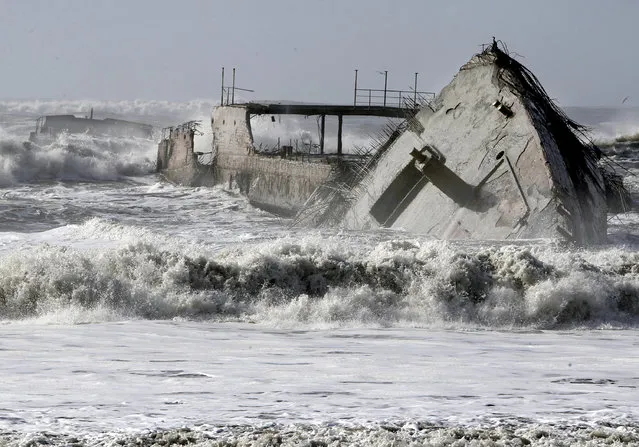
x=522 y=188
x=231 y=131
x=178 y=162
x=270 y=182
x=273 y=183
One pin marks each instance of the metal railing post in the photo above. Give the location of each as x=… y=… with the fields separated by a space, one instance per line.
x=233 y=91
x=385 y=85
x=222 y=99
x=355 y=93
x=322 y=131
x=340 y=123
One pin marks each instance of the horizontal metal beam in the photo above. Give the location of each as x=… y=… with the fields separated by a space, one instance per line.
x=325 y=109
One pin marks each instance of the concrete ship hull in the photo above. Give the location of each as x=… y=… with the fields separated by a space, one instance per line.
x=276 y=184
x=491 y=158
x=50 y=126
x=483 y=173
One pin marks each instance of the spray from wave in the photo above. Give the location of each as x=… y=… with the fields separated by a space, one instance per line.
x=73 y=158
x=315 y=283
x=79 y=157
x=610 y=126
x=158 y=112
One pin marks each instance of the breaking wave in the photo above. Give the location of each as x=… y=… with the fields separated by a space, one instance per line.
x=623 y=147
x=157 y=111
x=607 y=124
x=316 y=283
x=74 y=158
x=80 y=157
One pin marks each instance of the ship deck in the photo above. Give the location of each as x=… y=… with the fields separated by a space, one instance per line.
x=255 y=108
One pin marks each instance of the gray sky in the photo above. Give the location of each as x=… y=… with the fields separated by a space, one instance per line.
x=583 y=51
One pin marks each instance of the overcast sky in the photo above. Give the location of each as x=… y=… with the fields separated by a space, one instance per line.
x=583 y=51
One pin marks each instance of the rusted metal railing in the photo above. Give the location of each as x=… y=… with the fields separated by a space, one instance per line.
x=405 y=99
x=229 y=90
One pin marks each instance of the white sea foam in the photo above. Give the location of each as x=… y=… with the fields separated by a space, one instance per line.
x=391 y=433
x=130 y=382
x=74 y=158
x=313 y=283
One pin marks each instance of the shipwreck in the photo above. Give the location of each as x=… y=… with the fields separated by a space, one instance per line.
x=50 y=126
x=490 y=157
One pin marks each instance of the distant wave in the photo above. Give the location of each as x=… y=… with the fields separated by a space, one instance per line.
x=73 y=158
x=630 y=140
x=129 y=108
x=300 y=284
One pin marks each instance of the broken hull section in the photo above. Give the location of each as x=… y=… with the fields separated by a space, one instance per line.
x=177 y=161
x=492 y=159
x=273 y=183
x=49 y=127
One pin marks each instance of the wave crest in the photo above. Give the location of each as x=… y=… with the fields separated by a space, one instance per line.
x=286 y=283
x=155 y=109
x=74 y=158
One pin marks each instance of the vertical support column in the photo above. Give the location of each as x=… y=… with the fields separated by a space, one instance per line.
x=385 y=85
x=222 y=98
x=355 y=92
x=322 y=128
x=233 y=91
x=415 y=93
x=340 y=120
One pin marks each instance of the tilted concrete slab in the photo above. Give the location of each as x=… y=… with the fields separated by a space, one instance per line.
x=492 y=159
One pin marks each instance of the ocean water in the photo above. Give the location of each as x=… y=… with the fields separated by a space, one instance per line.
x=136 y=312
